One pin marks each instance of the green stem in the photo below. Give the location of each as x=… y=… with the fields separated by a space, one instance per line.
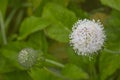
x=9 y=18
x=52 y=72
x=111 y=51
x=93 y=75
x=18 y=19
x=55 y=63
x=91 y=71
x=3 y=29
x=94 y=67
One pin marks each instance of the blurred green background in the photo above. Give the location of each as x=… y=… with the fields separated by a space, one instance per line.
x=45 y=25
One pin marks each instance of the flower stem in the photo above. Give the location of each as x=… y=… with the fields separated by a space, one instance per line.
x=3 y=29
x=52 y=72
x=111 y=51
x=91 y=71
x=55 y=63
x=93 y=74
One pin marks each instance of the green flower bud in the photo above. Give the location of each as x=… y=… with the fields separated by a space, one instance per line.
x=27 y=57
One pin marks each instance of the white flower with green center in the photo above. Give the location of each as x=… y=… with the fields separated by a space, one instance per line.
x=87 y=37
x=27 y=57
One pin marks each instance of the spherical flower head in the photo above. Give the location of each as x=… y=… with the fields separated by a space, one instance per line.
x=27 y=57
x=87 y=37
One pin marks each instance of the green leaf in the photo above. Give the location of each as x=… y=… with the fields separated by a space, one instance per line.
x=81 y=61
x=5 y=65
x=56 y=13
x=41 y=74
x=31 y=25
x=39 y=9
x=59 y=51
x=58 y=32
x=115 y=4
x=81 y=14
x=110 y=57
x=35 y=3
x=73 y=72
x=3 y=6
x=39 y=41
x=61 y=2
x=61 y=19
x=112 y=28
x=109 y=63
x=17 y=75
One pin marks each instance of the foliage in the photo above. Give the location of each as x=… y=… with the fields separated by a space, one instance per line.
x=45 y=25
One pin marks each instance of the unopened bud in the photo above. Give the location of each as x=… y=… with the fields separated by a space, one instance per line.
x=27 y=57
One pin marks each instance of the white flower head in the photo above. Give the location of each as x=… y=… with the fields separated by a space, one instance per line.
x=27 y=57
x=87 y=37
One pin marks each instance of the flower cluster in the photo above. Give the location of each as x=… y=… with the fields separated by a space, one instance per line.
x=87 y=37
